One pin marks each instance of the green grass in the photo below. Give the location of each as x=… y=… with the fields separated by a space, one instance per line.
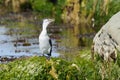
x=80 y=68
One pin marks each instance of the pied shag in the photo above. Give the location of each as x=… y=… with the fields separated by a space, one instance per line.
x=45 y=43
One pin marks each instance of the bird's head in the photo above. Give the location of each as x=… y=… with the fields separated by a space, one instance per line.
x=46 y=22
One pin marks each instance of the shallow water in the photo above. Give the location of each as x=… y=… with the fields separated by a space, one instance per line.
x=16 y=46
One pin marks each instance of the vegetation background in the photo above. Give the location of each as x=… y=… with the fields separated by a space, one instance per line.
x=79 y=20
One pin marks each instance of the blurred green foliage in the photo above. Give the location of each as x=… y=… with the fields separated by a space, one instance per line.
x=100 y=10
x=42 y=6
x=54 y=9
x=101 y=17
x=49 y=9
x=80 y=68
x=0 y=0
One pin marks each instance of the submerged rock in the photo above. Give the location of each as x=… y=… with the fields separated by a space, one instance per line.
x=107 y=40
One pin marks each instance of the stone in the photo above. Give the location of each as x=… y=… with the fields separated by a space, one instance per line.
x=107 y=40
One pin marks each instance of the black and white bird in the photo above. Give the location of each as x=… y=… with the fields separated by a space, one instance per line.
x=45 y=43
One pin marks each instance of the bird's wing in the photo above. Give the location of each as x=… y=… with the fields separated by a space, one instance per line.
x=50 y=42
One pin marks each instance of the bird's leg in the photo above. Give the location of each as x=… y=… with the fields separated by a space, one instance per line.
x=42 y=53
x=49 y=54
x=48 y=58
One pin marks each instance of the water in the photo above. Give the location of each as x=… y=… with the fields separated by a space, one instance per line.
x=15 y=46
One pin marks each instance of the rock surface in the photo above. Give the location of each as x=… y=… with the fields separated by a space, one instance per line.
x=107 y=40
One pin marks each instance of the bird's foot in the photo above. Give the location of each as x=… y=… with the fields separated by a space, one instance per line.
x=48 y=58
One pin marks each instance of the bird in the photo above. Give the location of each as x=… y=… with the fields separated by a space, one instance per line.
x=45 y=43
x=106 y=42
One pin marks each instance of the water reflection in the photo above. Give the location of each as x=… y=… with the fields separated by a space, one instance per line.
x=16 y=46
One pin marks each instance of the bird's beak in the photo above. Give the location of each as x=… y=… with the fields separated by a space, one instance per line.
x=51 y=20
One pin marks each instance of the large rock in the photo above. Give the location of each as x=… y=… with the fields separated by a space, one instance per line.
x=107 y=40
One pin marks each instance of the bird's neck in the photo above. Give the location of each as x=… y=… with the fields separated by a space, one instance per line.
x=44 y=26
x=44 y=29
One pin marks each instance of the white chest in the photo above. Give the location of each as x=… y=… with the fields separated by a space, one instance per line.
x=44 y=44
